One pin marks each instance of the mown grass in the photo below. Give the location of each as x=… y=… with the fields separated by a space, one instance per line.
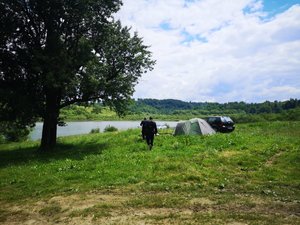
x=249 y=175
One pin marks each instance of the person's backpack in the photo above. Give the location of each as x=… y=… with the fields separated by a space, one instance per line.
x=149 y=127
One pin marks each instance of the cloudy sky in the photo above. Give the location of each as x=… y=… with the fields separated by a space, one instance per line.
x=218 y=50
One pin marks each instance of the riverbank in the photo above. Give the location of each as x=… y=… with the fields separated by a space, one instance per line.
x=250 y=176
x=85 y=127
x=80 y=113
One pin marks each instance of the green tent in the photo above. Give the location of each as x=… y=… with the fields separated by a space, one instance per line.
x=194 y=126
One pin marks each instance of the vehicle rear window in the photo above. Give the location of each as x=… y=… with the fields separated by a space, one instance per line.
x=226 y=119
x=213 y=119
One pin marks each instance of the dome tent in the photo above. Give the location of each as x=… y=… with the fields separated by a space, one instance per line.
x=194 y=126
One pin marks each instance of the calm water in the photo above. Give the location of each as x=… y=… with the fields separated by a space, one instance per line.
x=73 y=128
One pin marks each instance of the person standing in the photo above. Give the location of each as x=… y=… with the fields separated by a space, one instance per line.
x=142 y=124
x=150 y=131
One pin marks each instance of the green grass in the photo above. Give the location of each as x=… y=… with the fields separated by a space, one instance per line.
x=249 y=176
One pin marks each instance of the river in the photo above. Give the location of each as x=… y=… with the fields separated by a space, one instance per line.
x=84 y=127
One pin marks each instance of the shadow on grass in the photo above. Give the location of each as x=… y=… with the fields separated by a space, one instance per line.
x=25 y=155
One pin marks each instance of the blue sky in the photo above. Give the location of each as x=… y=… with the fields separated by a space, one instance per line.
x=218 y=51
x=274 y=7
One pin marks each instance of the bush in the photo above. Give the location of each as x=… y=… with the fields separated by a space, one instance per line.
x=94 y=131
x=13 y=132
x=110 y=129
x=2 y=139
x=288 y=115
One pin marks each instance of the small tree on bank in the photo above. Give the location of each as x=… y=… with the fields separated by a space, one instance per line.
x=54 y=53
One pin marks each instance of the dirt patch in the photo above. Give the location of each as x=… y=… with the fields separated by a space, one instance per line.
x=274 y=158
x=236 y=223
x=227 y=154
x=86 y=201
x=60 y=209
x=203 y=201
x=113 y=208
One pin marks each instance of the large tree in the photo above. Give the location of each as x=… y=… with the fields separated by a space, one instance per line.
x=54 y=53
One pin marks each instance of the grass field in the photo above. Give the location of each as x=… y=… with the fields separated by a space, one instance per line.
x=250 y=176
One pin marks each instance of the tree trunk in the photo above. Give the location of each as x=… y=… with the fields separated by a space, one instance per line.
x=48 y=141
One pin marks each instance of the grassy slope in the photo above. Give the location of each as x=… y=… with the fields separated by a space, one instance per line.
x=250 y=176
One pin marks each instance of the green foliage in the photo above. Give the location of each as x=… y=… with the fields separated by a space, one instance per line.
x=83 y=113
x=13 y=132
x=99 y=112
x=110 y=129
x=96 y=130
x=285 y=115
x=177 y=107
x=61 y=53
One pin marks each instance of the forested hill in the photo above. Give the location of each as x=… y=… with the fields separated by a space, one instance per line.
x=172 y=106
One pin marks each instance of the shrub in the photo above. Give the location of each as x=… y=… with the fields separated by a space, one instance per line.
x=110 y=129
x=2 y=139
x=13 y=132
x=94 y=131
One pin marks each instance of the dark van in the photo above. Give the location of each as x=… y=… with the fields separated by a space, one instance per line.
x=221 y=123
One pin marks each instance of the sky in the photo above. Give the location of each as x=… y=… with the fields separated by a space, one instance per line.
x=218 y=50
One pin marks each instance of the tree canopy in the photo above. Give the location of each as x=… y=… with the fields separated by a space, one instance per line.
x=54 y=53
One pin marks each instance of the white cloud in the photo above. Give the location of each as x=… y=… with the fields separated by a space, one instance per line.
x=215 y=50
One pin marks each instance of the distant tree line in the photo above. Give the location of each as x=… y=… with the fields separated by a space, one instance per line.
x=172 y=106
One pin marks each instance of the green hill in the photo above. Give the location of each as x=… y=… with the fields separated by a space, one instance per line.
x=172 y=106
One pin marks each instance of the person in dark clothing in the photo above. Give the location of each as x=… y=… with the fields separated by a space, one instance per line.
x=142 y=124
x=150 y=131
